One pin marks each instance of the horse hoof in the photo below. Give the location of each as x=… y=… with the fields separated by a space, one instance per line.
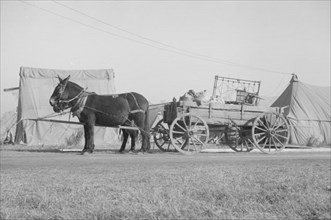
x=131 y=152
x=86 y=152
x=121 y=152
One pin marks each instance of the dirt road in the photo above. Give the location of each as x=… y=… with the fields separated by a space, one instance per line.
x=26 y=160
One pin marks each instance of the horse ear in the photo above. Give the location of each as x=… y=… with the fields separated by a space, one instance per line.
x=59 y=78
x=67 y=79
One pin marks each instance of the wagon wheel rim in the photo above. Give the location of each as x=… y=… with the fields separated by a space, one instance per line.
x=161 y=136
x=243 y=140
x=189 y=134
x=270 y=132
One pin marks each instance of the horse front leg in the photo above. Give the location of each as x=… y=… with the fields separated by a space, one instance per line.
x=89 y=137
x=86 y=137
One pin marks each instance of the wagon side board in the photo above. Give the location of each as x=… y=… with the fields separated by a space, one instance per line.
x=217 y=113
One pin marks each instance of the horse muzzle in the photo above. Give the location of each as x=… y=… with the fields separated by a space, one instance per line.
x=56 y=109
x=55 y=105
x=52 y=101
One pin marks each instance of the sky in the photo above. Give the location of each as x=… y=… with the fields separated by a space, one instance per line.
x=162 y=49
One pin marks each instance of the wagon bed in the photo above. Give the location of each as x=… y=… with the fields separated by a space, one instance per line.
x=189 y=127
x=216 y=113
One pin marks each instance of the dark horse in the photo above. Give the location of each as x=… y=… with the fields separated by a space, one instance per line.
x=126 y=109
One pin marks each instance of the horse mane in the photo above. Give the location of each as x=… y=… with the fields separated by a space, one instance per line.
x=75 y=85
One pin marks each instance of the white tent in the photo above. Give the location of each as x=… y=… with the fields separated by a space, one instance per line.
x=36 y=127
x=308 y=113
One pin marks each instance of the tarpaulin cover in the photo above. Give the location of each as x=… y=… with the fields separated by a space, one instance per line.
x=308 y=113
x=36 y=87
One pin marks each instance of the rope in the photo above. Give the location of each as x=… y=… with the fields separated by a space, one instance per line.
x=47 y=116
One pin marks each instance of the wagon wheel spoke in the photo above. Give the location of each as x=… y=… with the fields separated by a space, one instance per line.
x=177 y=124
x=285 y=137
x=242 y=146
x=281 y=130
x=261 y=139
x=162 y=143
x=160 y=138
x=195 y=124
x=190 y=120
x=276 y=122
x=197 y=139
x=261 y=129
x=279 y=140
x=169 y=146
x=186 y=126
x=191 y=143
x=267 y=120
x=281 y=143
x=188 y=149
x=178 y=132
x=195 y=147
x=265 y=143
x=262 y=124
x=279 y=126
x=273 y=143
x=162 y=126
x=202 y=135
x=180 y=143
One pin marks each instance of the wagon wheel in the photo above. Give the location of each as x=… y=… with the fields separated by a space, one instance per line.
x=270 y=132
x=189 y=134
x=161 y=136
x=239 y=139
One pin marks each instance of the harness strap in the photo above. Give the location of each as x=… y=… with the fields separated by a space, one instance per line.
x=79 y=106
x=69 y=100
x=136 y=110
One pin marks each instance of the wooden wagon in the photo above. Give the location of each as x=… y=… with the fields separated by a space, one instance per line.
x=240 y=123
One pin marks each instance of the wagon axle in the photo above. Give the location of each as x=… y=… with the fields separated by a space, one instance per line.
x=270 y=133
x=188 y=134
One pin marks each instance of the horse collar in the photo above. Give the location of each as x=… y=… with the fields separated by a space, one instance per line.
x=79 y=106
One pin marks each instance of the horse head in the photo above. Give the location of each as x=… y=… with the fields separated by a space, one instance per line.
x=61 y=92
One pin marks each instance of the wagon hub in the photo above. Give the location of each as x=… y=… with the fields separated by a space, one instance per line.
x=188 y=134
x=271 y=132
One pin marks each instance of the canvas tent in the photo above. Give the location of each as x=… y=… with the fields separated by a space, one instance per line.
x=35 y=88
x=308 y=113
x=7 y=121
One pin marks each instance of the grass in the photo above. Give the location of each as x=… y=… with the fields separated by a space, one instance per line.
x=164 y=186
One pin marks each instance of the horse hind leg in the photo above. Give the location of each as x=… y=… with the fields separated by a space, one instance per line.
x=133 y=136
x=125 y=139
x=146 y=132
